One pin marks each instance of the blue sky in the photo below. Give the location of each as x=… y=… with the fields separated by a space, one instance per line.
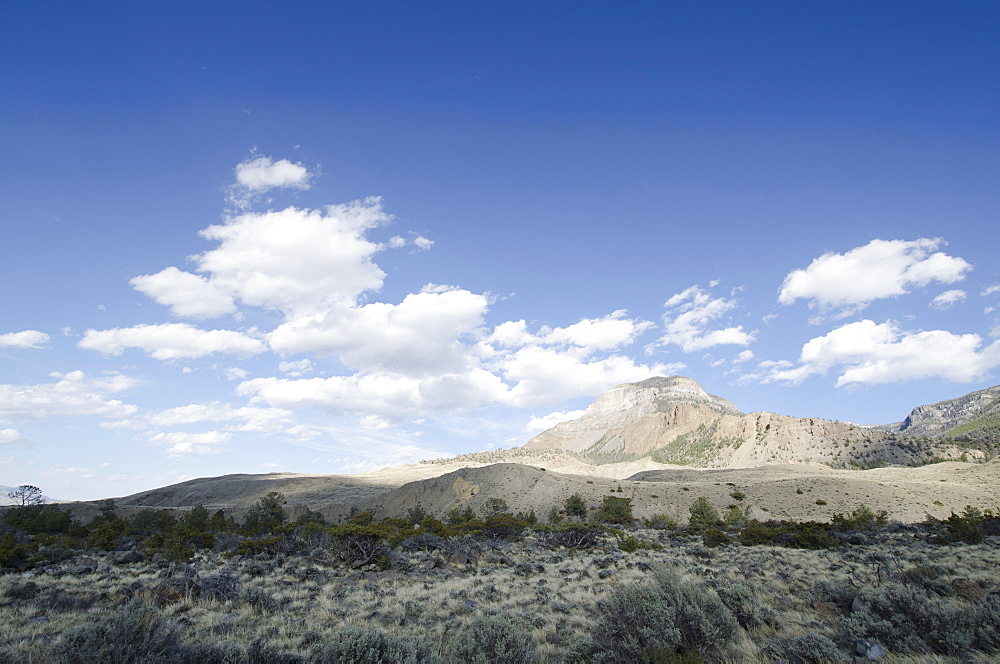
x=329 y=237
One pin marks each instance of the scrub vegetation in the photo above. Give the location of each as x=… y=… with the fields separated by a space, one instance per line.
x=591 y=584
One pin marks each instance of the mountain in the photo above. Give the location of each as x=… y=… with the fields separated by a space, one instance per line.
x=635 y=441
x=976 y=416
x=675 y=421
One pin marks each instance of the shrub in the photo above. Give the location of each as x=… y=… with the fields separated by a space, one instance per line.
x=713 y=537
x=131 y=634
x=357 y=545
x=862 y=518
x=656 y=622
x=259 y=599
x=906 y=618
x=659 y=522
x=220 y=587
x=575 y=535
x=794 y=535
x=812 y=648
x=504 y=526
x=493 y=507
x=496 y=638
x=630 y=543
x=356 y=645
x=740 y=598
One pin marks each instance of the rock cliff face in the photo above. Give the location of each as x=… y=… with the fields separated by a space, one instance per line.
x=673 y=420
x=976 y=408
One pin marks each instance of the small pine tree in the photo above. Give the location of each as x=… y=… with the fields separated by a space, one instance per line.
x=575 y=506
x=703 y=516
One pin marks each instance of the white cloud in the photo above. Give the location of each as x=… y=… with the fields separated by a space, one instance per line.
x=948 y=299
x=691 y=313
x=423 y=243
x=235 y=373
x=548 y=375
x=10 y=436
x=248 y=418
x=261 y=174
x=297 y=261
x=391 y=397
x=73 y=394
x=546 y=422
x=397 y=242
x=879 y=269
x=423 y=335
x=868 y=353
x=294 y=260
x=188 y=295
x=179 y=443
x=25 y=339
x=744 y=356
x=990 y=290
x=170 y=341
x=295 y=368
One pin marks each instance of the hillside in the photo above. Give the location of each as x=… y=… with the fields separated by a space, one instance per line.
x=664 y=442
x=675 y=421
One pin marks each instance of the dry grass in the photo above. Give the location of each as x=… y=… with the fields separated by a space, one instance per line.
x=297 y=603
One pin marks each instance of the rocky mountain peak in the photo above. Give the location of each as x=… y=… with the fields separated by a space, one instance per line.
x=944 y=416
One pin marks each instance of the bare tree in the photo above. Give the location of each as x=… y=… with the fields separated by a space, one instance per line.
x=26 y=495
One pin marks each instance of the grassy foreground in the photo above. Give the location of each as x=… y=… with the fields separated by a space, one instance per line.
x=712 y=591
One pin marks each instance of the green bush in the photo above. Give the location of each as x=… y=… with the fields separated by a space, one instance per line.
x=575 y=506
x=703 y=516
x=667 y=619
x=504 y=526
x=356 y=645
x=493 y=639
x=862 y=518
x=615 y=510
x=357 y=545
x=791 y=534
x=659 y=522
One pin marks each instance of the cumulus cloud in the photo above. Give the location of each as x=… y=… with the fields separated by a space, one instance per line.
x=246 y=418
x=421 y=335
x=879 y=269
x=296 y=261
x=546 y=422
x=170 y=341
x=948 y=299
x=391 y=397
x=688 y=322
x=263 y=173
x=188 y=295
x=869 y=353
x=296 y=368
x=10 y=436
x=549 y=375
x=25 y=339
x=72 y=394
x=179 y=443
x=990 y=290
x=423 y=243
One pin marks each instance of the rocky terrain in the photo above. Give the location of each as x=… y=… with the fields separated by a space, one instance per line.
x=675 y=421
